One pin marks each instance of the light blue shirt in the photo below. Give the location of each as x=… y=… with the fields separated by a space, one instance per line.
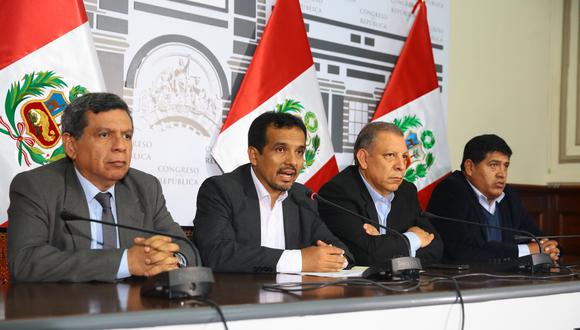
x=96 y=212
x=383 y=207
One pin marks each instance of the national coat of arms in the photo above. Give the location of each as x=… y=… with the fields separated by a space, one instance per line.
x=33 y=107
x=310 y=120
x=420 y=144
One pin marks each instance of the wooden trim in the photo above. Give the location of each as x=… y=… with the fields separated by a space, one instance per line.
x=556 y=210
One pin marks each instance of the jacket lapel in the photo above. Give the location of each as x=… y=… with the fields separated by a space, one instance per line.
x=291 y=222
x=129 y=213
x=475 y=206
x=76 y=203
x=251 y=211
x=397 y=207
x=371 y=210
x=506 y=221
x=369 y=205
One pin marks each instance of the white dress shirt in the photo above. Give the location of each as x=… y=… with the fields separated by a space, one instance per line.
x=272 y=228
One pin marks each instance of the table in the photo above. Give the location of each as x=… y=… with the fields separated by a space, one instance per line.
x=529 y=304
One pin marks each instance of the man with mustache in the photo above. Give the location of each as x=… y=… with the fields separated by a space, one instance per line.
x=256 y=218
x=94 y=181
x=480 y=193
x=374 y=187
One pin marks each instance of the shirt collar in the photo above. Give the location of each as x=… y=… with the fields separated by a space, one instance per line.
x=261 y=190
x=375 y=194
x=481 y=197
x=90 y=189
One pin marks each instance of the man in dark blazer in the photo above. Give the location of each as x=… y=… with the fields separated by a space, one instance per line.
x=43 y=247
x=256 y=218
x=375 y=188
x=479 y=193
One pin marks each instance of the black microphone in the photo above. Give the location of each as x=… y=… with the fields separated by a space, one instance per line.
x=396 y=268
x=537 y=260
x=178 y=283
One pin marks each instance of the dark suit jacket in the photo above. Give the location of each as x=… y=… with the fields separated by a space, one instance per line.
x=227 y=224
x=455 y=198
x=42 y=247
x=348 y=190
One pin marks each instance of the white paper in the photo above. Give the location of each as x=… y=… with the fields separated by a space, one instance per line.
x=353 y=272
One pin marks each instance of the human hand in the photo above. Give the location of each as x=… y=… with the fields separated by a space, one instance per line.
x=425 y=237
x=549 y=247
x=153 y=255
x=157 y=243
x=136 y=256
x=370 y=230
x=322 y=258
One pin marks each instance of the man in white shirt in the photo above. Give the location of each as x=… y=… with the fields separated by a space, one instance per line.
x=480 y=193
x=257 y=218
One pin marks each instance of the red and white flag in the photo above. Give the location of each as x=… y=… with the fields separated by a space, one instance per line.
x=412 y=101
x=47 y=58
x=282 y=78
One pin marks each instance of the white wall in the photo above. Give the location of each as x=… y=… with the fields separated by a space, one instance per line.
x=504 y=78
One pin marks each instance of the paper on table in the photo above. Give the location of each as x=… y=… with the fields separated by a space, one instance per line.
x=353 y=272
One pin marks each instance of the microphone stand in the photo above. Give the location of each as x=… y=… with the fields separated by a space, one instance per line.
x=184 y=282
x=530 y=262
x=522 y=238
x=396 y=268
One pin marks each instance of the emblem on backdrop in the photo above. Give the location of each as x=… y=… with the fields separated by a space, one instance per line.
x=180 y=94
x=310 y=120
x=31 y=118
x=419 y=143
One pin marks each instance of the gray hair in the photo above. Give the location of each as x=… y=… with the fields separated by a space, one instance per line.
x=74 y=119
x=367 y=135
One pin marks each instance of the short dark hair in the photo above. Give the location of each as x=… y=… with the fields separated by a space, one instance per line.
x=74 y=119
x=257 y=132
x=478 y=147
x=367 y=135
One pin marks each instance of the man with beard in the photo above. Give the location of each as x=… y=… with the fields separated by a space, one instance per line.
x=256 y=218
x=479 y=193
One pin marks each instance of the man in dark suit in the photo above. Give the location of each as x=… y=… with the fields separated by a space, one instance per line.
x=256 y=218
x=479 y=193
x=95 y=181
x=375 y=188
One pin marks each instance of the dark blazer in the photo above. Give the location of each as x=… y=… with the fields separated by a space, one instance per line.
x=455 y=198
x=348 y=190
x=42 y=247
x=227 y=225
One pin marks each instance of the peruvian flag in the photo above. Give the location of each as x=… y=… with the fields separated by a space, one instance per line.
x=412 y=101
x=47 y=58
x=281 y=77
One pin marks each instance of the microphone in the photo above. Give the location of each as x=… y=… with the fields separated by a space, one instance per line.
x=396 y=268
x=540 y=260
x=178 y=283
